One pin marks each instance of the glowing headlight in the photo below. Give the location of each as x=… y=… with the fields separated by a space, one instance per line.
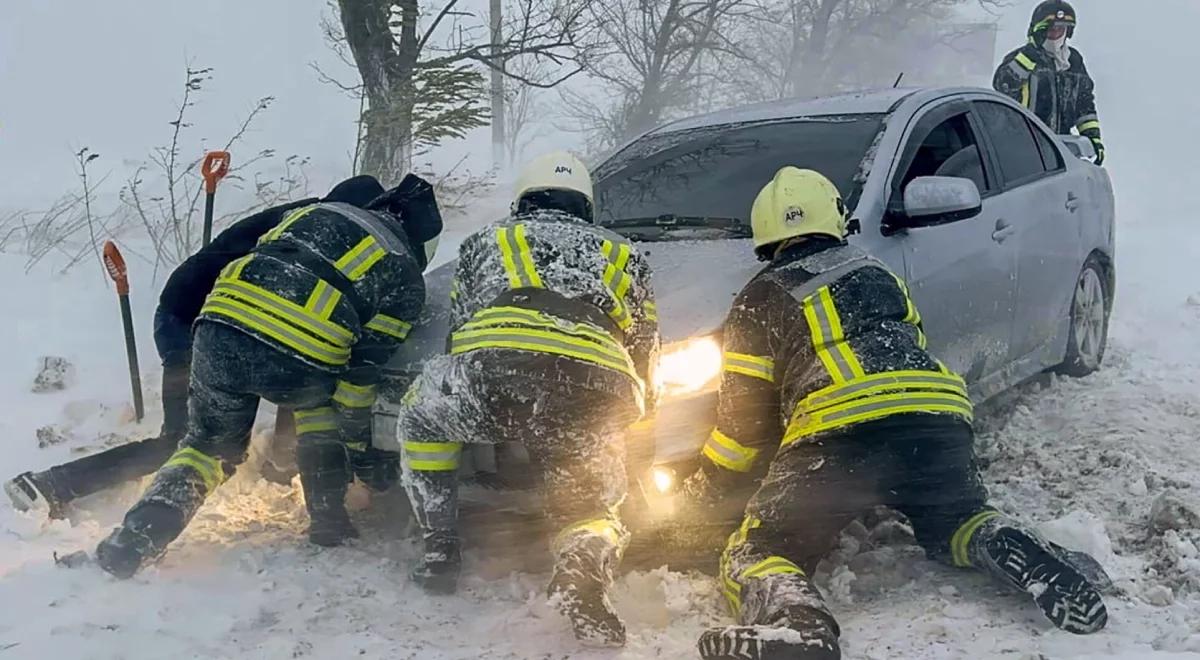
x=689 y=366
x=664 y=480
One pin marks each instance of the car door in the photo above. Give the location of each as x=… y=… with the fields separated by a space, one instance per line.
x=1041 y=199
x=960 y=274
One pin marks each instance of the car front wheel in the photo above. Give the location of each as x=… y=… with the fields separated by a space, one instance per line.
x=1088 y=337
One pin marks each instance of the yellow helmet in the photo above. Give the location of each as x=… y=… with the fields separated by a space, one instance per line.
x=797 y=203
x=557 y=171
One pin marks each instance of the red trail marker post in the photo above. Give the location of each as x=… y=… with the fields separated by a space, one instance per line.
x=115 y=264
x=214 y=168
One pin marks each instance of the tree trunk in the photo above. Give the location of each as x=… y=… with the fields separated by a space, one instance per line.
x=387 y=65
x=811 y=72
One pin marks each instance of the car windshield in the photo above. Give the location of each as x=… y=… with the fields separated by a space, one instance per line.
x=700 y=183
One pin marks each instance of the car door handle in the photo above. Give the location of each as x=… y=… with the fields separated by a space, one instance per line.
x=1004 y=229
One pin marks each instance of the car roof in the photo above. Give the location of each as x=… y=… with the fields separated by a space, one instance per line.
x=880 y=101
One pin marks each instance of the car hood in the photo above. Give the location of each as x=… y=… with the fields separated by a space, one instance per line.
x=695 y=283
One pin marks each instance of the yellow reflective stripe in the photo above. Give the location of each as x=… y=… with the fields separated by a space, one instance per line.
x=1089 y=125
x=1025 y=94
x=287 y=221
x=323 y=300
x=233 y=270
x=432 y=456
x=355 y=446
x=960 y=543
x=355 y=263
x=604 y=527
x=527 y=257
x=618 y=281
x=316 y=420
x=500 y=316
x=728 y=453
x=755 y=366
x=354 y=396
x=454 y=289
x=538 y=341
x=774 y=565
x=510 y=262
x=206 y=466
x=650 y=310
x=263 y=322
x=828 y=337
x=1026 y=62
x=389 y=325
x=731 y=587
x=875 y=383
x=605 y=345
x=876 y=407
x=284 y=309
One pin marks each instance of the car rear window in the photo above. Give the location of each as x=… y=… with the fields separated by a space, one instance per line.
x=717 y=171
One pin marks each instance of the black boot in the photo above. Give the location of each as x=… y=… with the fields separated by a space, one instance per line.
x=144 y=536
x=583 y=572
x=1030 y=563
x=33 y=491
x=806 y=634
x=324 y=475
x=438 y=571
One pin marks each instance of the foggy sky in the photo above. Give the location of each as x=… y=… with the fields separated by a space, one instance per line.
x=108 y=75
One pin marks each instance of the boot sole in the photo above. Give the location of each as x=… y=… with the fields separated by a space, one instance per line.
x=1063 y=593
x=766 y=643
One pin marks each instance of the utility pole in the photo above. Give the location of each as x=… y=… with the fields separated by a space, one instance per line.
x=497 y=87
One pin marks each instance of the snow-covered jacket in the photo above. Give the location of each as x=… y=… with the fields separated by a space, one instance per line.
x=1062 y=99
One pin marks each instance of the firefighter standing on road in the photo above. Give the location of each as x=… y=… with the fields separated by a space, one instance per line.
x=829 y=391
x=305 y=320
x=554 y=336
x=1049 y=77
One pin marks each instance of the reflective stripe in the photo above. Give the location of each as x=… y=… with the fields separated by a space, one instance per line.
x=960 y=543
x=284 y=309
x=540 y=341
x=1025 y=95
x=1088 y=125
x=728 y=453
x=754 y=366
x=650 y=310
x=256 y=319
x=454 y=289
x=355 y=446
x=771 y=566
x=875 y=383
x=323 y=300
x=233 y=270
x=354 y=396
x=206 y=466
x=603 y=527
x=828 y=337
x=617 y=280
x=913 y=317
x=730 y=586
x=316 y=420
x=355 y=263
x=287 y=221
x=518 y=259
x=861 y=410
x=1024 y=61
x=506 y=316
x=1021 y=72
x=389 y=325
x=432 y=456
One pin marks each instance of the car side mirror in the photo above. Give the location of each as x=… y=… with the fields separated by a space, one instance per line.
x=1079 y=145
x=937 y=200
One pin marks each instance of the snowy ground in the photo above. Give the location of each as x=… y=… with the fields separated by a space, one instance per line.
x=1090 y=455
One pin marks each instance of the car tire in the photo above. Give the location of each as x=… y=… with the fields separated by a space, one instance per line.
x=1088 y=337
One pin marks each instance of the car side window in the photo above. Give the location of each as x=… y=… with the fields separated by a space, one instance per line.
x=950 y=149
x=1051 y=158
x=1012 y=138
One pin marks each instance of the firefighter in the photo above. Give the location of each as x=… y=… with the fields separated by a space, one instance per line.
x=178 y=306
x=830 y=402
x=305 y=320
x=554 y=336
x=1049 y=77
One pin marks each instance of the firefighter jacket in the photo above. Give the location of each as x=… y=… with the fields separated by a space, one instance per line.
x=332 y=285
x=823 y=339
x=549 y=283
x=1062 y=99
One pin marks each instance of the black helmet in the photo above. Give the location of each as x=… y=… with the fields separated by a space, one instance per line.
x=413 y=202
x=1050 y=13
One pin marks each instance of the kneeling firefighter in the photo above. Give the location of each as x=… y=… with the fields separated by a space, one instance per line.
x=305 y=321
x=554 y=336
x=831 y=402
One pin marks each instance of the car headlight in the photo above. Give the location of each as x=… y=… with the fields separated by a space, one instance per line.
x=688 y=366
x=664 y=480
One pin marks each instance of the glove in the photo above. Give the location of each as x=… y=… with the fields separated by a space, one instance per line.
x=1099 y=145
x=378 y=469
x=438 y=569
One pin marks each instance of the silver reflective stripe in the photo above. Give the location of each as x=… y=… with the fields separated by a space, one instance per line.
x=324 y=418
x=463 y=344
x=765 y=371
x=322 y=305
x=779 y=562
x=387 y=236
x=871 y=406
x=285 y=333
x=826 y=324
x=416 y=455
x=335 y=335
x=368 y=254
x=853 y=388
x=1021 y=71
x=733 y=456
x=829 y=268
x=1086 y=118
x=509 y=249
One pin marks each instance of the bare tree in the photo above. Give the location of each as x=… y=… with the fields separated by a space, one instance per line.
x=421 y=70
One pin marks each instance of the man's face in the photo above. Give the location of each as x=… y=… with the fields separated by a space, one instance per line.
x=1057 y=31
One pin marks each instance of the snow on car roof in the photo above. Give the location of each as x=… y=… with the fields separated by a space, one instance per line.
x=863 y=102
